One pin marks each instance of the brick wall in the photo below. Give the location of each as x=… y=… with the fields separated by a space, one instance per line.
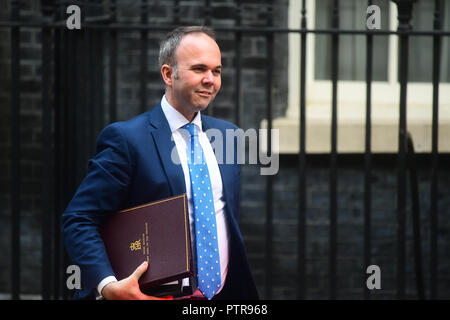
x=5 y=77
x=30 y=164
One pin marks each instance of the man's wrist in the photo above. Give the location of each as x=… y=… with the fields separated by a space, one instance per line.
x=103 y=283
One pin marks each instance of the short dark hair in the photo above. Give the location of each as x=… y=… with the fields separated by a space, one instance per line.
x=170 y=43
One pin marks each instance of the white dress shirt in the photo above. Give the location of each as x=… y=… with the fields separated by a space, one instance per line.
x=176 y=120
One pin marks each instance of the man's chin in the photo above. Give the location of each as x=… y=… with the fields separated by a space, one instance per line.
x=201 y=107
x=202 y=104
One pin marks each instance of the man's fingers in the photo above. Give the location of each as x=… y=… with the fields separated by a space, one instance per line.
x=140 y=270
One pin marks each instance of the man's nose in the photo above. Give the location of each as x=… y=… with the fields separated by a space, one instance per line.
x=208 y=77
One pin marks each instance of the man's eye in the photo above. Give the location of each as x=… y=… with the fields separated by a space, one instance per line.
x=217 y=72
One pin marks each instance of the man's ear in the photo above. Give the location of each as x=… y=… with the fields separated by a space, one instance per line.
x=167 y=74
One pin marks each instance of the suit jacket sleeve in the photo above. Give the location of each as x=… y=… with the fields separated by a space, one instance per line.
x=102 y=191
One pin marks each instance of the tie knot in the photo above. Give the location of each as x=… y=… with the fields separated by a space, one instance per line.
x=191 y=128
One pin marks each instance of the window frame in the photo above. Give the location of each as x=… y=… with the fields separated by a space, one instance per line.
x=352 y=93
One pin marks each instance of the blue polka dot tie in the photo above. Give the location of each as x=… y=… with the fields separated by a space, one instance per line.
x=208 y=260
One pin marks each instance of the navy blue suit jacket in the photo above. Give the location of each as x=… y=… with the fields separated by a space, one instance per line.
x=132 y=165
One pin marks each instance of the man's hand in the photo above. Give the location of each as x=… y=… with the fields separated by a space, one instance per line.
x=128 y=288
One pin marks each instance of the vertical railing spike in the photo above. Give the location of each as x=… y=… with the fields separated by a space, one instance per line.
x=301 y=263
x=15 y=153
x=404 y=16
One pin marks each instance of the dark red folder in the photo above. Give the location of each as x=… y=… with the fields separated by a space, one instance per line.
x=157 y=232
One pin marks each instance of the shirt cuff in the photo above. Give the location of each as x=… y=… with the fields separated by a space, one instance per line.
x=102 y=284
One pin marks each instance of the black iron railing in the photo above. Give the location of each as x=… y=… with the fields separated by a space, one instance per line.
x=74 y=106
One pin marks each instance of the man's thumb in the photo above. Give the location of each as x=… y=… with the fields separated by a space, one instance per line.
x=140 y=270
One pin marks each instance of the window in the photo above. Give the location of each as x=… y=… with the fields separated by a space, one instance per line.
x=352 y=48
x=352 y=88
x=421 y=52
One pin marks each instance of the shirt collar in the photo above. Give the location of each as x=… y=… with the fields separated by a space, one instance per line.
x=176 y=119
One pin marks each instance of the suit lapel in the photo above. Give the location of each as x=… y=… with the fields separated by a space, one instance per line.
x=162 y=136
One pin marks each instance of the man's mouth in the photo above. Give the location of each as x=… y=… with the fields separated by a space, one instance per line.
x=204 y=93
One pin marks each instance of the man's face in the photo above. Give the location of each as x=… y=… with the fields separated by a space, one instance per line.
x=197 y=79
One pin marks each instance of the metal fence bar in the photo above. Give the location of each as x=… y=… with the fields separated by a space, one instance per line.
x=414 y=186
x=437 y=25
x=113 y=65
x=60 y=103
x=144 y=64
x=368 y=159
x=97 y=62
x=301 y=264
x=333 y=159
x=15 y=152
x=238 y=66
x=176 y=14
x=79 y=122
x=207 y=11
x=56 y=158
x=97 y=115
x=243 y=29
x=269 y=178
x=65 y=142
x=91 y=39
x=70 y=107
x=207 y=20
x=100 y=35
x=68 y=43
x=87 y=101
x=95 y=87
x=404 y=17
x=46 y=195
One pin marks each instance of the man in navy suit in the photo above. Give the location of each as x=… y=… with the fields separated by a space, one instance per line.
x=134 y=164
